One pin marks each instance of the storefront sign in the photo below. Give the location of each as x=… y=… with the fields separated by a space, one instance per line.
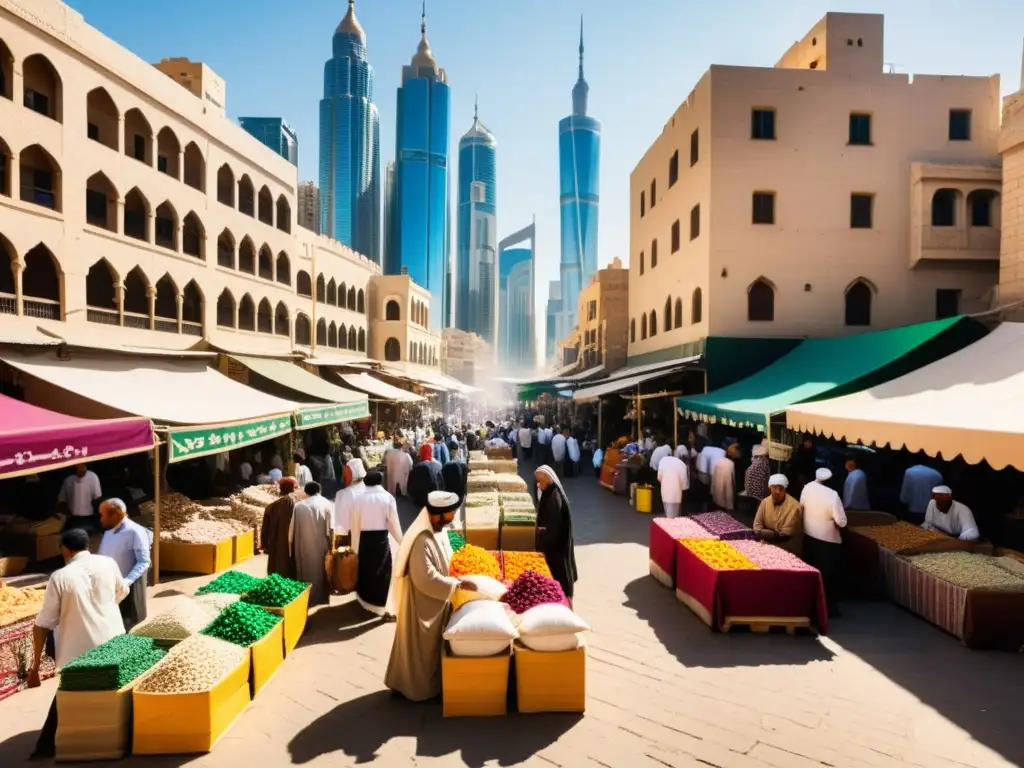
x=307 y=418
x=190 y=442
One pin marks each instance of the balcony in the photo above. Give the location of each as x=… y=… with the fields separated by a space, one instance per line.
x=955 y=213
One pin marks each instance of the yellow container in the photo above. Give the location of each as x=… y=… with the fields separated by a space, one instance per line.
x=267 y=657
x=486 y=538
x=644 y=498
x=187 y=723
x=295 y=615
x=196 y=558
x=94 y=725
x=551 y=682
x=243 y=546
x=474 y=687
x=519 y=538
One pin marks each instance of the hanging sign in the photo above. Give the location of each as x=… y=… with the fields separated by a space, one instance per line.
x=191 y=442
x=318 y=416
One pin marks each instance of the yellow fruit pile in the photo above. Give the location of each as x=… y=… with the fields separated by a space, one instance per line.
x=720 y=555
x=17 y=604
x=472 y=560
x=518 y=562
x=899 y=536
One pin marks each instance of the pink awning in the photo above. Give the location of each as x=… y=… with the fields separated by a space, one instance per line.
x=33 y=439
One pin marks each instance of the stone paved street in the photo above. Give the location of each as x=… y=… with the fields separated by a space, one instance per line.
x=884 y=689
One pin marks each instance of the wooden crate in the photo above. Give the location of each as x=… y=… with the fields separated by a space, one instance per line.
x=94 y=725
x=519 y=538
x=243 y=546
x=189 y=723
x=267 y=657
x=196 y=558
x=295 y=615
x=551 y=682
x=474 y=687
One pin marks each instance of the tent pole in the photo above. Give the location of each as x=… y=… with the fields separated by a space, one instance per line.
x=675 y=426
x=600 y=404
x=639 y=415
x=156 y=514
x=705 y=381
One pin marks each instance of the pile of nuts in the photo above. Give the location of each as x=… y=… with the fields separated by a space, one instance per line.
x=217 y=600
x=194 y=665
x=968 y=570
x=900 y=536
x=185 y=619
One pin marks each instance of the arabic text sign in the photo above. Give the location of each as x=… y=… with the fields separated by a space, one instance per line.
x=306 y=418
x=37 y=450
x=191 y=442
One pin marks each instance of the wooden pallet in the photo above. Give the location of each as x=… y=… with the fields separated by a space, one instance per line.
x=762 y=625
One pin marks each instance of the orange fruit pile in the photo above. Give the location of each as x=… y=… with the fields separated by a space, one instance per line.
x=472 y=560
x=517 y=563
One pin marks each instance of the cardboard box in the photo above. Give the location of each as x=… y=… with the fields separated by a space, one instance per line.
x=474 y=686
x=295 y=615
x=267 y=657
x=197 y=558
x=551 y=682
x=94 y=725
x=243 y=546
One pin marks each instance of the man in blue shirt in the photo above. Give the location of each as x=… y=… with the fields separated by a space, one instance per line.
x=127 y=543
x=916 y=492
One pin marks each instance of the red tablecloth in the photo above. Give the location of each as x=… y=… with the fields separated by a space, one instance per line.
x=863 y=576
x=662 y=548
x=761 y=593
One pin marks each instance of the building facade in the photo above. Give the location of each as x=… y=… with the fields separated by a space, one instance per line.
x=132 y=214
x=309 y=206
x=579 y=165
x=275 y=133
x=1011 y=253
x=516 y=328
x=199 y=80
x=465 y=356
x=603 y=311
x=476 y=257
x=399 y=312
x=418 y=238
x=556 y=320
x=815 y=198
x=350 y=143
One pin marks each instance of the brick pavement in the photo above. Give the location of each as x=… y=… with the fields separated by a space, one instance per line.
x=885 y=689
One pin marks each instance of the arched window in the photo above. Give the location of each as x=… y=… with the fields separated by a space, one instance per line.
x=195 y=167
x=351 y=298
x=981 y=207
x=266 y=262
x=226 y=309
x=167 y=149
x=284 y=269
x=360 y=301
x=193 y=236
x=192 y=309
x=226 y=250
x=302 y=329
x=284 y=214
x=632 y=331
x=266 y=206
x=246 y=196
x=100 y=202
x=392 y=310
x=40 y=178
x=654 y=323
x=332 y=335
x=696 y=310
x=668 y=314
x=136 y=215
x=944 y=204
x=226 y=185
x=40 y=284
x=362 y=339
x=166 y=304
x=303 y=286
x=761 y=301
x=321 y=332
x=281 y=319
x=166 y=226
x=99 y=288
x=321 y=289
x=858 y=303
x=247 y=256
x=392 y=350
x=265 y=317
x=643 y=326
x=136 y=300
x=352 y=337
x=332 y=293
x=343 y=336
x=138 y=137
x=247 y=314
x=678 y=319
x=42 y=87
x=102 y=117
x=641 y=262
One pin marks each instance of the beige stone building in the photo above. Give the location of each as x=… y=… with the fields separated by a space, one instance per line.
x=134 y=214
x=1011 y=261
x=603 y=331
x=309 y=206
x=818 y=197
x=399 y=312
x=465 y=356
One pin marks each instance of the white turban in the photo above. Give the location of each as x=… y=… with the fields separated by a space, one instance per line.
x=358 y=469
x=823 y=474
x=778 y=480
x=943 y=489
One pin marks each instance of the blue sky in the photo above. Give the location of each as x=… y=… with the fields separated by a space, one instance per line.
x=643 y=57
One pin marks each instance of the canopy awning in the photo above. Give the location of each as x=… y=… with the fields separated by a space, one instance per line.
x=374 y=386
x=423 y=375
x=299 y=380
x=818 y=368
x=627 y=378
x=558 y=375
x=33 y=439
x=969 y=404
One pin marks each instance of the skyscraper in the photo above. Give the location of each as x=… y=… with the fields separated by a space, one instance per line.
x=515 y=321
x=418 y=236
x=389 y=204
x=309 y=206
x=579 y=149
x=275 y=133
x=554 y=320
x=475 y=262
x=350 y=143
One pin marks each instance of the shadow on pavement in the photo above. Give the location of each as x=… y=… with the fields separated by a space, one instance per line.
x=361 y=727
x=338 y=623
x=690 y=640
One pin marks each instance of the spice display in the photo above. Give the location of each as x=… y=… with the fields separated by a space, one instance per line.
x=720 y=555
x=218 y=600
x=508 y=482
x=474 y=561
x=242 y=624
x=683 y=528
x=17 y=604
x=531 y=589
x=517 y=563
x=196 y=664
x=456 y=540
x=183 y=620
x=968 y=570
x=900 y=536
x=275 y=591
x=111 y=666
x=482 y=499
x=516 y=498
x=768 y=557
x=723 y=525
x=230 y=582
x=517 y=517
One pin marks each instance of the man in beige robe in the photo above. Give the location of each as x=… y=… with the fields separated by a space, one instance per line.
x=779 y=519
x=422 y=592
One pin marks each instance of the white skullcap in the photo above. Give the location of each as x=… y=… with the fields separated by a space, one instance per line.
x=943 y=489
x=759 y=450
x=823 y=474
x=439 y=502
x=778 y=480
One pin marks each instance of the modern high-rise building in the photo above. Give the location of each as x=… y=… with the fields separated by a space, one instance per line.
x=579 y=151
x=555 y=317
x=309 y=206
x=350 y=143
x=389 y=205
x=477 y=243
x=418 y=237
x=275 y=133
x=515 y=322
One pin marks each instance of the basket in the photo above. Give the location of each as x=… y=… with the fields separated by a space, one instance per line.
x=779 y=451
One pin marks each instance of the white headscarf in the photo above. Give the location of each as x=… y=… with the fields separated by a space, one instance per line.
x=823 y=474
x=358 y=469
x=550 y=473
x=778 y=479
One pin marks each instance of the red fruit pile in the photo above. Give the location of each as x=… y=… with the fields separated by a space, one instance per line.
x=532 y=589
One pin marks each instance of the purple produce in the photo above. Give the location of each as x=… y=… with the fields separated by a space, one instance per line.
x=532 y=589
x=768 y=557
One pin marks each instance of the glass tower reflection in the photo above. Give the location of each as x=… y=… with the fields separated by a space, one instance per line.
x=515 y=321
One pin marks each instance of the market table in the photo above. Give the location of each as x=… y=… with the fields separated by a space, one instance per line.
x=720 y=596
x=662 y=547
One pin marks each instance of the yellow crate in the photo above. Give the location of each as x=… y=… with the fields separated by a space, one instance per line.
x=196 y=558
x=187 y=723
x=519 y=538
x=94 y=725
x=243 y=546
x=474 y=687
x=551 y=682
x=486 y=538
x=295 y=615
x=267 y=657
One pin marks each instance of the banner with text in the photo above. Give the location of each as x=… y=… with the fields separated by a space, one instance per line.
x=318 y=416
x=191 y=442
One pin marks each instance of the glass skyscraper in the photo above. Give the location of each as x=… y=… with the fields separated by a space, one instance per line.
x=350 y=143
x=579 y=150
x=418 y=238
x=475 y=258
x=515 y=321
x=275 y=133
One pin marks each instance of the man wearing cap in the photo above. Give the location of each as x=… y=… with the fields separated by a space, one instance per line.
x=950 y=517
x=779 y=518
x=823 y=545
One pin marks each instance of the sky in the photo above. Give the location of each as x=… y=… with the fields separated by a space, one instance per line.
x=519 y=56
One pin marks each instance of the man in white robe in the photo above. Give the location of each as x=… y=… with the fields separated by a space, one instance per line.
x=706 y=459
x=374 y=520
x=674 y=478
x=341 y=522
x=572 y=447
x=398 y=463
x=950 y=517
x=310 y=538
x=723 y=479
x=824 y=516
x=662 y=450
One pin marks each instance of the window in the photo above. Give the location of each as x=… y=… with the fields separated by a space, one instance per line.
x=959 y=125
x=675 y=235
x=37 y=102
x=860 y=129
x=643 y=208
x=641 y=262
x=643 y=327
x=763 y=208
x=654 y=323
x=139 y=148
x=944 y=208
x=980 y=203
x=695 y=222
x=632 y=331
x=678 y=320
x=592 y=310
x=696 y=308
x=694 y=147
x=762 y=124
x=96 y=207
x=668 y=314
x=858 y=304
x=947 y=303
x=673 y=169
x=654 y=253
x=654 y=189
x=93 y=131
x=860 y=210
x=161 y=163
x=761 y=302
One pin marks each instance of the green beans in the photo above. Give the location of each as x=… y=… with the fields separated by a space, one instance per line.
x=111 y=666
x=274 y=591
x=232 y=583
x=242 y=624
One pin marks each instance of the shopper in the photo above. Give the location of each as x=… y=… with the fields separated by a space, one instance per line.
x=674 y=478
x=374 y=520
x=554 y=529
x=398 y=463
x=277 y=521
x=572 y=447
x=346 y=497
x=558 y=442
x=425 y=476
x=310 y=539
x=824 y=516
x=303 y=474
x=855 y=488
x=127 y=543
x=77 y=495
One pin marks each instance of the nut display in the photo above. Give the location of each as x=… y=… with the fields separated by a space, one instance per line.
x=275 y=591
x=968 y=570
x=185 y=619
x=900 y=536
x=17 y=604
x=720 y=555
x=218 y=600
x=242 y=624
x=112 y=665
x=196 y=664
x=230 y=582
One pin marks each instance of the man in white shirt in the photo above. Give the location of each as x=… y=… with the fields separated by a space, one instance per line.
x=572 y=449
x=558 y=452
x=662 y=450
x=81 y=609
x=303 y=474
x=526 y=441
x=675 y=479
x=76 y=497
x=723 y=479
x=916 y=492
x=950 y=517
x=824 y=516
x=709 y=454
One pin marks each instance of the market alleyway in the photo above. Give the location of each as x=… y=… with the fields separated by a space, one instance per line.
x=884 y=689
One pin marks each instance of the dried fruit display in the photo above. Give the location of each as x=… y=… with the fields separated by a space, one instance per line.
x=482 y=499
x=683 y=528
x=471 y=560
x=518 y=563
x=481 y=481
x=17 y=604
x=900 y=536
x=185 y=619
x=111 y=666
x=768 y=557
x=720 y=555
x=531 y=589
x=275 y=591
x=968 y=570
x=723 y=525
x=193 y=665
x=456 y=540
x=231 y=582
x=242 y=624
